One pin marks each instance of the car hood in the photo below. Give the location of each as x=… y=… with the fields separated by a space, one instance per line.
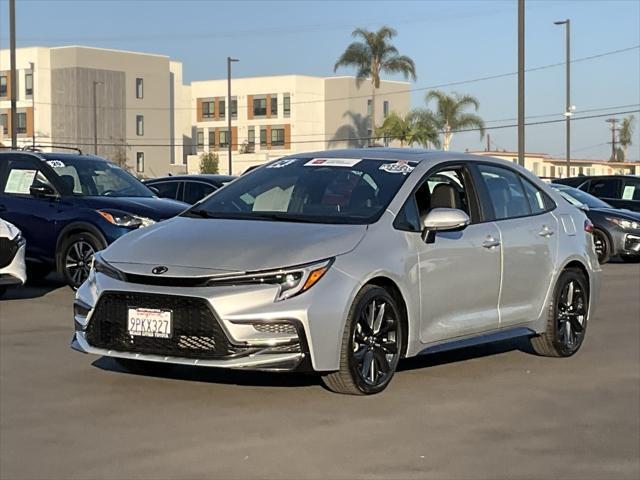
x=619 y=212
x=150 y=207
x=193 y=246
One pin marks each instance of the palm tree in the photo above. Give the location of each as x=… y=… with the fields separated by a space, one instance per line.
x=372 y=55
x=450 y=115
x=415 y=127
x=626 y=134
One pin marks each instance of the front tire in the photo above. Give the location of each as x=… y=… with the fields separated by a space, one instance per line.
x=567 y=317
x=603 y=246
x=371 y=344
x=76 y=253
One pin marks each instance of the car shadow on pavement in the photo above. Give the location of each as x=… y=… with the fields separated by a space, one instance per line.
x=219 y=375
x=35 y=289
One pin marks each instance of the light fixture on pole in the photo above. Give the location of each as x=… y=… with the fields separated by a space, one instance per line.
x=568 y=111
x=95 y=116
x=228 y=109
x=32 y=66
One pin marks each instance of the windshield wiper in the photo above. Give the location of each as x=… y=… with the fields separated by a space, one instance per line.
x=198 y=213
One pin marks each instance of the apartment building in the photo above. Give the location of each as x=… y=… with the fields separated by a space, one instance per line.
x=282 y=115
x=546 y=166
x=135 y=102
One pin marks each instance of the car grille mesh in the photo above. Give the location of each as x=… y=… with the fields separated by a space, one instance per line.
x=283 y=328
x=8 y=250
x=196 y=331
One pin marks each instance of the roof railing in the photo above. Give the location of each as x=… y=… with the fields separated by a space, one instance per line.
x=38 y=148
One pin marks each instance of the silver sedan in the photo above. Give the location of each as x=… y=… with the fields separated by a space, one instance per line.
x=343 y=263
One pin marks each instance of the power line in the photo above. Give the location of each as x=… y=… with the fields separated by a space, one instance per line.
x=497 y=127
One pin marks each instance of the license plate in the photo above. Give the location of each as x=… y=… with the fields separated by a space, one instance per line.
x=149 y=322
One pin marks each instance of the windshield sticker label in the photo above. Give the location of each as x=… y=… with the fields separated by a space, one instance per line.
x=20 y=181
x=628 y=192
x=282 y=163
x=398 y=167
x=332 y=162
x=56 y=164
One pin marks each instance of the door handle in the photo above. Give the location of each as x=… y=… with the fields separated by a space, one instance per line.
x=546 y=231
x=491 y=242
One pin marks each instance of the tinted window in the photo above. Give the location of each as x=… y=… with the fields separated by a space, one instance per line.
x=167 y=189
x=196 y=191
x=604 y=188
x=630 y=189
x=538 y=200
x=505 y=190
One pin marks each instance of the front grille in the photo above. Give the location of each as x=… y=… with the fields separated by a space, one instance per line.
x=285 y=328
x=8 y=250
x=196 y=330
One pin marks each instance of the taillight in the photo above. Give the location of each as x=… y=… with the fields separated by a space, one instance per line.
x=588 y=226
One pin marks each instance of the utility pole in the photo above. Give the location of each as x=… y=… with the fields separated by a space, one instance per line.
x=488 y=142
x=521 y=82
x=14 y=81
x=229 y=133
x=33 y=103
x=95 y=116
x=614 y=123
x=568 y=108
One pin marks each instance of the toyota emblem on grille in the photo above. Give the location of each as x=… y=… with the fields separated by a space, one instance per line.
x=159 y=270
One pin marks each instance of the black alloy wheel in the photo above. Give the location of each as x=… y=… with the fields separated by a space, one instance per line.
x=76 y=256
x=601 y=242
x=371 y=345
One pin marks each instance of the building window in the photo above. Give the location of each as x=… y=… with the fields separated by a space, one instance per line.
x=200 y=139
x=212 y=139
x=221 y=108
x=3 y=86
x=263 y=136
x=4 y=125
x=251 y=138
x=234 y=108
x=385 y=108
x=28 y=84
x=274 y=106
x=207 y=109
x=259 y=107
x=139 y=88
x=140 y=162
x=277 y=137
x=369 y=110
x=22 y=122
x=224 y=138
x=286 y=104
x=139 y=125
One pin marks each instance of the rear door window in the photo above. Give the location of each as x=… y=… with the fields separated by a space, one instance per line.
x=196 y=191
x=539 y=201
x=506 y=192
x=167 y=189
x=605 y=188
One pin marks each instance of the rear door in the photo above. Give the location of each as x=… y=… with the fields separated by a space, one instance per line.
x=194 y=191
x=529 y=236
x=168 y=189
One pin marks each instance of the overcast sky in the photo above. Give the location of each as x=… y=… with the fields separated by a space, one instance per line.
x=450 y=41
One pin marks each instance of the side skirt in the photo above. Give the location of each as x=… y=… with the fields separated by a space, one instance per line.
x=479 y=340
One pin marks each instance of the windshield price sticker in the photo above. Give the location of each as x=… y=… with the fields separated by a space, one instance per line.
x=332 y=162
x=56 y=164
x=398 y=167
x=282 y=163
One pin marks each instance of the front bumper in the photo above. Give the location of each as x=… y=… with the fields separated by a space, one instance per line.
x=631 y=244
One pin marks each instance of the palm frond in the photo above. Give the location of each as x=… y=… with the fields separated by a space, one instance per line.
x=400 y=64
x=468 y=120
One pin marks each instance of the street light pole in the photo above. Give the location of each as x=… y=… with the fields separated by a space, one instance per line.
x=14 y=81
x=568 y=108
x=95 y=116
x=32 y=66
x=229 y=133
x=521 y=144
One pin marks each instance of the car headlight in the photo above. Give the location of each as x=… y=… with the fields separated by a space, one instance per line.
x=123 y=219
x=100 y=265
x=624 y=223
x=291 y=281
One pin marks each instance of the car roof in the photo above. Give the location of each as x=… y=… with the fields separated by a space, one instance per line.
x=203 y=177
x=400 y=154
x=53 y=155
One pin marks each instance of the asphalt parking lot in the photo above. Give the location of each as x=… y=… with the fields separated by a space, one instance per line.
x=488 y=412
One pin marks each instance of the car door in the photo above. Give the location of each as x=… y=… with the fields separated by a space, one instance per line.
x=528 y=232
x=607 y=189
x=194 y=191
x=34 y=215
x=459 y=272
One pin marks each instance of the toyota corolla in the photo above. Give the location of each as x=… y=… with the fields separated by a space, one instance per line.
x=343 y=263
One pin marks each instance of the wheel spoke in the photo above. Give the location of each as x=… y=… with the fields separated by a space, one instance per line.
x=382 y=361
x=359 y=354
x=389 y=347
x=570 y=294
x=377 y=323
x=366 y=364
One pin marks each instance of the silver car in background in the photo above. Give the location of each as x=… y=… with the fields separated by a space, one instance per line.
x=13 y=271
x=342 y=263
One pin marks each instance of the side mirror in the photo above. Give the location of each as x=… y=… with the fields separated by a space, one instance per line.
x=42 y=190
x=443 y=220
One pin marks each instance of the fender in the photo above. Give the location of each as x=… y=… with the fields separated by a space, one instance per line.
x=76 y=227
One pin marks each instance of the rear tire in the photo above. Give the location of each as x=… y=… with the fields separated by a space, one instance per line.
x=567 y=317
x=76 y=253
x=142 y=367
x=603 y=246
x=371 y=344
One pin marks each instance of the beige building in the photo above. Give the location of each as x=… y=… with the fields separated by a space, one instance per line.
x=546 y=166
x=141 y=104
x=282 y=115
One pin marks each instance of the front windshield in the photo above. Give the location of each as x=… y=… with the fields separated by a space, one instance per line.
x=317 y=190
x=578 y=197
x=91 y=177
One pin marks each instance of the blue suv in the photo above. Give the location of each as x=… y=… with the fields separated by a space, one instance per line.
x=70 y=206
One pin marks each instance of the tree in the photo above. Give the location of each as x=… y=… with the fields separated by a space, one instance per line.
x=450 y=116
x=626 y=134
x=416 y=127
x=372 y=56
x=209 y=163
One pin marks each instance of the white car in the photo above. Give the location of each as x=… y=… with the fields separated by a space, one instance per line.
x=13 y=270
